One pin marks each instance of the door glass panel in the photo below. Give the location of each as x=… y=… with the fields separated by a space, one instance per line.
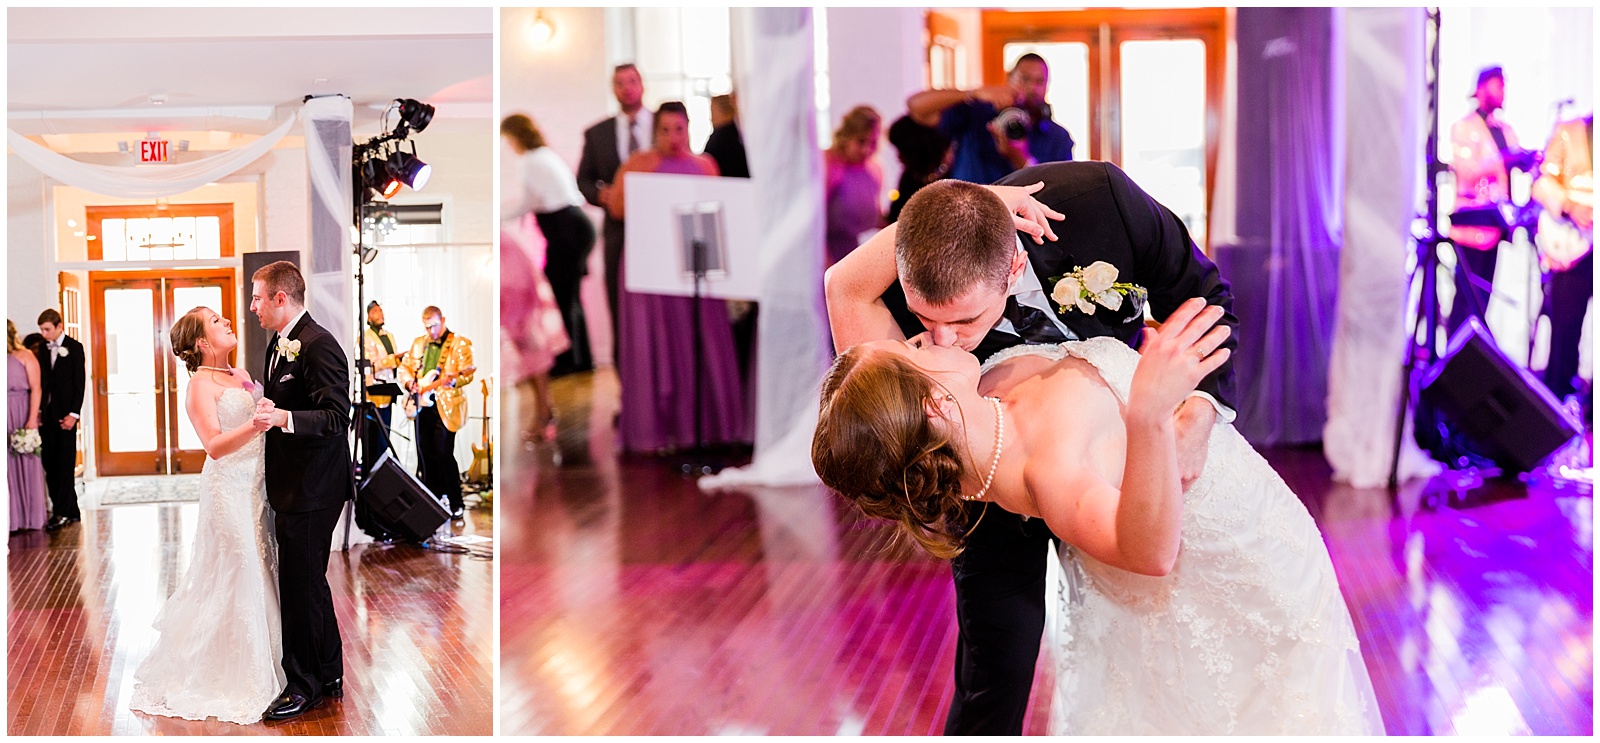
x=130 y=370
x=1164 y=125
x=1068 y=91
x=114 y=239
x=185 y=298
x=209 y=237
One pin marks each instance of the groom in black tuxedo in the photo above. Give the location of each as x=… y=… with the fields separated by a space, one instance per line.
x=955 y=265
x=307 y=406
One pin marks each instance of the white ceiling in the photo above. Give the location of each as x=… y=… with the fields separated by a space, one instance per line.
x=95 y=70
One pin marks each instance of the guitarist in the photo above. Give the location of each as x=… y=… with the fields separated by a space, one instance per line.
x=440 y=365
x=1565 y=189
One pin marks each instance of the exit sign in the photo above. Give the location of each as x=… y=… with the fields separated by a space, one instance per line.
x=153 y=150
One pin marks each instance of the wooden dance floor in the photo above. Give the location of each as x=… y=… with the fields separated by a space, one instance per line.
x=632 y=603
x=417 y=628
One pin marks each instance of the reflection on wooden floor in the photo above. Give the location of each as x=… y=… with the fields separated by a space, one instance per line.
x=632 y=603
x=417 y=627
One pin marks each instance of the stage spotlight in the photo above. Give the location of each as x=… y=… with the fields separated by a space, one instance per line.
x=409 y=169
x=415 y=115
x=376 y=175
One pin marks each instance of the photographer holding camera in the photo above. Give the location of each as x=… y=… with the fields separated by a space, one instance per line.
x=997 y=129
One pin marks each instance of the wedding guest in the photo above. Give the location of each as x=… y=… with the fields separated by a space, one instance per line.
x=24 y=472
x=439 y=418
x=985 y=152
x=64 y=380
x=530 y=331
x=924 y=154
x=726 y=143
x=661 y=379
x=854 y=181
x=606 y=145
x=548 y=190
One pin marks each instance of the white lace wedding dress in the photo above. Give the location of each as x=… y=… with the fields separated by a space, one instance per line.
x=1247 y=635
x=219 y=648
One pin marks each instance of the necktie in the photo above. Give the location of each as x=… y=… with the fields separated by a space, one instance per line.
x=54 y=349
x=1032 y=324
x=633 y=135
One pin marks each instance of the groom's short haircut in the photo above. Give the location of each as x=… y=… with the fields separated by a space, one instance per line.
x=282 y=276
x=953 y=235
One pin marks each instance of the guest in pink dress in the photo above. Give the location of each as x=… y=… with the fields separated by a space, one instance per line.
x=24 y=472
x=531 y=326
x=655 y=344
x=855 y=181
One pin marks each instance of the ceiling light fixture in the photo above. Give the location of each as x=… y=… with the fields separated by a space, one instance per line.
x=542 y=30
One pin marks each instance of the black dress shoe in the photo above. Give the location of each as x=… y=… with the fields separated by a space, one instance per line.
x=291 y=705
x=57 y=522
x=458 y=513
x=334 y=688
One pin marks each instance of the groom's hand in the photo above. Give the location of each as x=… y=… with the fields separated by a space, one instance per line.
x=1194 y=420
x=262 y=422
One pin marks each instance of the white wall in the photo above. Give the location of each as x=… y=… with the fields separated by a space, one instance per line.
x=876 y=57
x=563 y=84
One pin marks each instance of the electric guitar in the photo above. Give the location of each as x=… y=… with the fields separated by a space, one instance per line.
x=414 y=402
x=481 y=471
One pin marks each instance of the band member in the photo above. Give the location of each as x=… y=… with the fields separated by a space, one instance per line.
x=440 y=365
x=1565 y=189
x=1481 y=145
x=381 y=352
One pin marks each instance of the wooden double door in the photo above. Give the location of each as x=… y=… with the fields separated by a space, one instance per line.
x=137 y=384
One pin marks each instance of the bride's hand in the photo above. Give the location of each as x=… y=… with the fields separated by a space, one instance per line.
x=1176 y=356
x=1027 y=213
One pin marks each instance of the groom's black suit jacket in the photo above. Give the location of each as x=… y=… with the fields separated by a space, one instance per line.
x=1107 y=217
x=310 y=470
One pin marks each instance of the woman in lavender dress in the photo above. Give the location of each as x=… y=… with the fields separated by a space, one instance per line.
x=24 y=472
x=655 y=344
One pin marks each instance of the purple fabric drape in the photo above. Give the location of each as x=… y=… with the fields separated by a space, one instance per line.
x=1285 y=266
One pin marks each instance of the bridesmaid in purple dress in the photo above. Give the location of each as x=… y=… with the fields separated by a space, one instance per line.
x=855 y=181
x=655 y=347
x=24 y=472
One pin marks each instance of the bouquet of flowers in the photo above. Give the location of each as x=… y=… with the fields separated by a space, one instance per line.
x=1095 y=284
x=25 y=441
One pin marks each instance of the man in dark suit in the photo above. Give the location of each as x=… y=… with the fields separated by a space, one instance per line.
x=607 y=145
x=307 y=407
x=975 y=283
x=61 y=363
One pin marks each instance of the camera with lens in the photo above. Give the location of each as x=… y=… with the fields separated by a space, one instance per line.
x=1014 y=123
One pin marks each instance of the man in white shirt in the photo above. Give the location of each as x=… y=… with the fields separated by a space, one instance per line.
x=606 y=146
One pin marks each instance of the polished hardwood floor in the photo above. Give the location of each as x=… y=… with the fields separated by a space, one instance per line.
x=633 y=603
x=417 y=628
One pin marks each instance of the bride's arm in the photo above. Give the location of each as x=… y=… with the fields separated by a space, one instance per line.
x=1137 y=527
x=202 y=409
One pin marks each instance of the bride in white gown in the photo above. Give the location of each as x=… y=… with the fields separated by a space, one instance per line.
x=1202 y=608
x=219 y=647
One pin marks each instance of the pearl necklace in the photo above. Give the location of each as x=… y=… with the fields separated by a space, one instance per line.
x=215 y=369
x=999 y=442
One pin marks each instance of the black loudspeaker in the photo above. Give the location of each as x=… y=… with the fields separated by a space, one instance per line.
x=399 y=503
x=1500 y=407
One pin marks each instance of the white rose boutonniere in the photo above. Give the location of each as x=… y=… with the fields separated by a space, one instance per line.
x=288 y=349
x=61 y=352
x=1096 y=284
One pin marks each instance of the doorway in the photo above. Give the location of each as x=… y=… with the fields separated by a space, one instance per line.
x=138 y=385
x=1138 y=88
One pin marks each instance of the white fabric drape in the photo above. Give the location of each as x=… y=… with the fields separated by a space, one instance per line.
x=773 y=70
x=1385 y=89
x=143 y=182
x=330 y=290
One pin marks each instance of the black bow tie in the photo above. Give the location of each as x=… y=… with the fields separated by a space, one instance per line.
x=1032 y=324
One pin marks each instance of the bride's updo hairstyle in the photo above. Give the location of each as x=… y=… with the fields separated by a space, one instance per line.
x=186 y=335
x=876 y=446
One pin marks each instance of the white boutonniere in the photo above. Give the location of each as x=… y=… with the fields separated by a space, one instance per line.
x=288 y=349
x=61 y=352
x=1084 y=287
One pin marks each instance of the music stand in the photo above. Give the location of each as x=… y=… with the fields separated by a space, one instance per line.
x=695 y=237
